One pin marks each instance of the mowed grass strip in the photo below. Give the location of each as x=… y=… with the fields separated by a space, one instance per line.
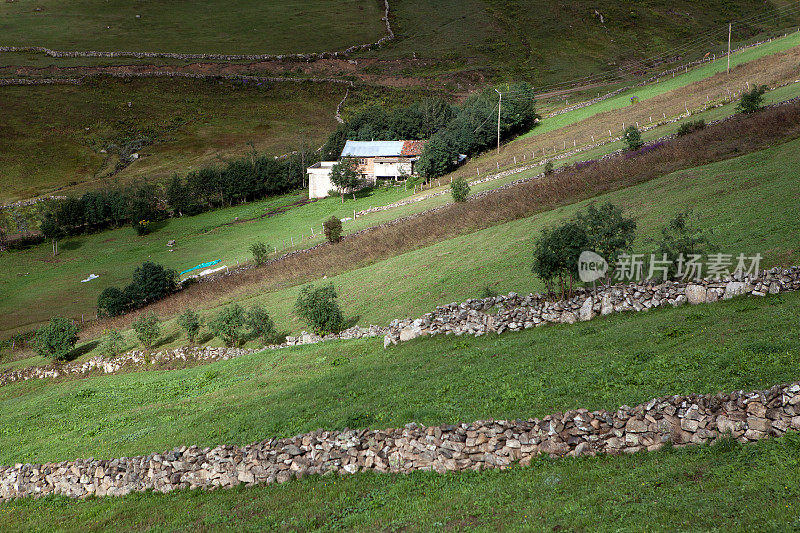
x=692 y=91
x=727 y=486
x=205 y=26
x=747 y=343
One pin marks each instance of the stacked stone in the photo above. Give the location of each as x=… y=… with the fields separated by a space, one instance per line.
x=514 y=312
x=133 y=359
x=682 y=420
x=139 y=360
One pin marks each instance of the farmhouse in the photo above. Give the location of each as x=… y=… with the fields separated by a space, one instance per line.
x=377 y=160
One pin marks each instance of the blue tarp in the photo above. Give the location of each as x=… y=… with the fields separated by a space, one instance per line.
x=203 y=265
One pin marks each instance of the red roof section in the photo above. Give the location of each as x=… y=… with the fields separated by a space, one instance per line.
x=412 y=148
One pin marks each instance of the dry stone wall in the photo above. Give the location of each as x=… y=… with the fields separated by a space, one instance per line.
x=515 y=312
x=476 y=317
x=184 y=356
x=681 y=420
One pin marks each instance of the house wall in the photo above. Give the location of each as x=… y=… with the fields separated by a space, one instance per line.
x=319 y=182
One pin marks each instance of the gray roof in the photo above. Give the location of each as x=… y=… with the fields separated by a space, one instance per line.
x=373 y=148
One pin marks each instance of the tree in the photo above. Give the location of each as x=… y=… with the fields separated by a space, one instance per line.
x=147 y=328
x=56 y=338
x=459 y=188
x=682 y=238
x=608 y=232
x=142 y=208
x=178 y=196
x=333 y=229
x=556 y=252
x=152 y=282
x=111 y=342
x=191 y=323
x=319 y=308
x=113 y=302
x=260 y=252
x=229 y=325
x=633 y=138
x=260 y=324
x=51 y=229
x=437 y=158
x=752 y=100
x=344 y=175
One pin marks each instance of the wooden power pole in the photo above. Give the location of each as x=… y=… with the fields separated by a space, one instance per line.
x=499 y=108
x=730 y=25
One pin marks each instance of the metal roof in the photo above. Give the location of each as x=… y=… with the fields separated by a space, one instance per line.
x=373 y=149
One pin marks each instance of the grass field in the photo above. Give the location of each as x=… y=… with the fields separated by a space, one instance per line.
x=53 y=135
x=34 y=275
x=748 y=343
x=208 y=26
x=552 y=42
x=691 y=91
x=725 y=487
x=721 y=195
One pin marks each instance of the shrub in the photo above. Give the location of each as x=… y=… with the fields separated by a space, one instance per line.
x=459 y=188
x=488 y=292
x=147 y=328
x=229 y=325
x=690 y=127
x=556 y=252
x=113 y=302
x=260 y=324
x=681 y=237
x=111 y=342
x=151 y=282
x=319 y=308
x=260 y=252
x=633 y=138
x=603 y=230
x=752 y=100
x=191 y=323
x=608 y=232
x=412 y=182
x=56 y=338
x=548 y=167
x=333 y=229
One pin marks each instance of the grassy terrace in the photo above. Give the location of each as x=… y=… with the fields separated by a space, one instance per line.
x=207 y=26
x=730 y=487
x=747 y=343
x=34 y=274
x=499 y=257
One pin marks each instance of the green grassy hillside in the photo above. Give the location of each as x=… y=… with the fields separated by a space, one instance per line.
x=748 y=343
x=549 y=42
x=207 y=26
x=52 y=136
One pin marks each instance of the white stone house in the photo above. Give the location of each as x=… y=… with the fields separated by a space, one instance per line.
x=377 y=160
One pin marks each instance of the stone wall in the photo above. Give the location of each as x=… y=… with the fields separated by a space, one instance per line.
x=682 y=420
x=515 y=312
x=477 y=317
x=178 y=357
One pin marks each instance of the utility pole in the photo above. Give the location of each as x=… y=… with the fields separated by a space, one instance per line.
x=499 y=108
x=730 y=25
